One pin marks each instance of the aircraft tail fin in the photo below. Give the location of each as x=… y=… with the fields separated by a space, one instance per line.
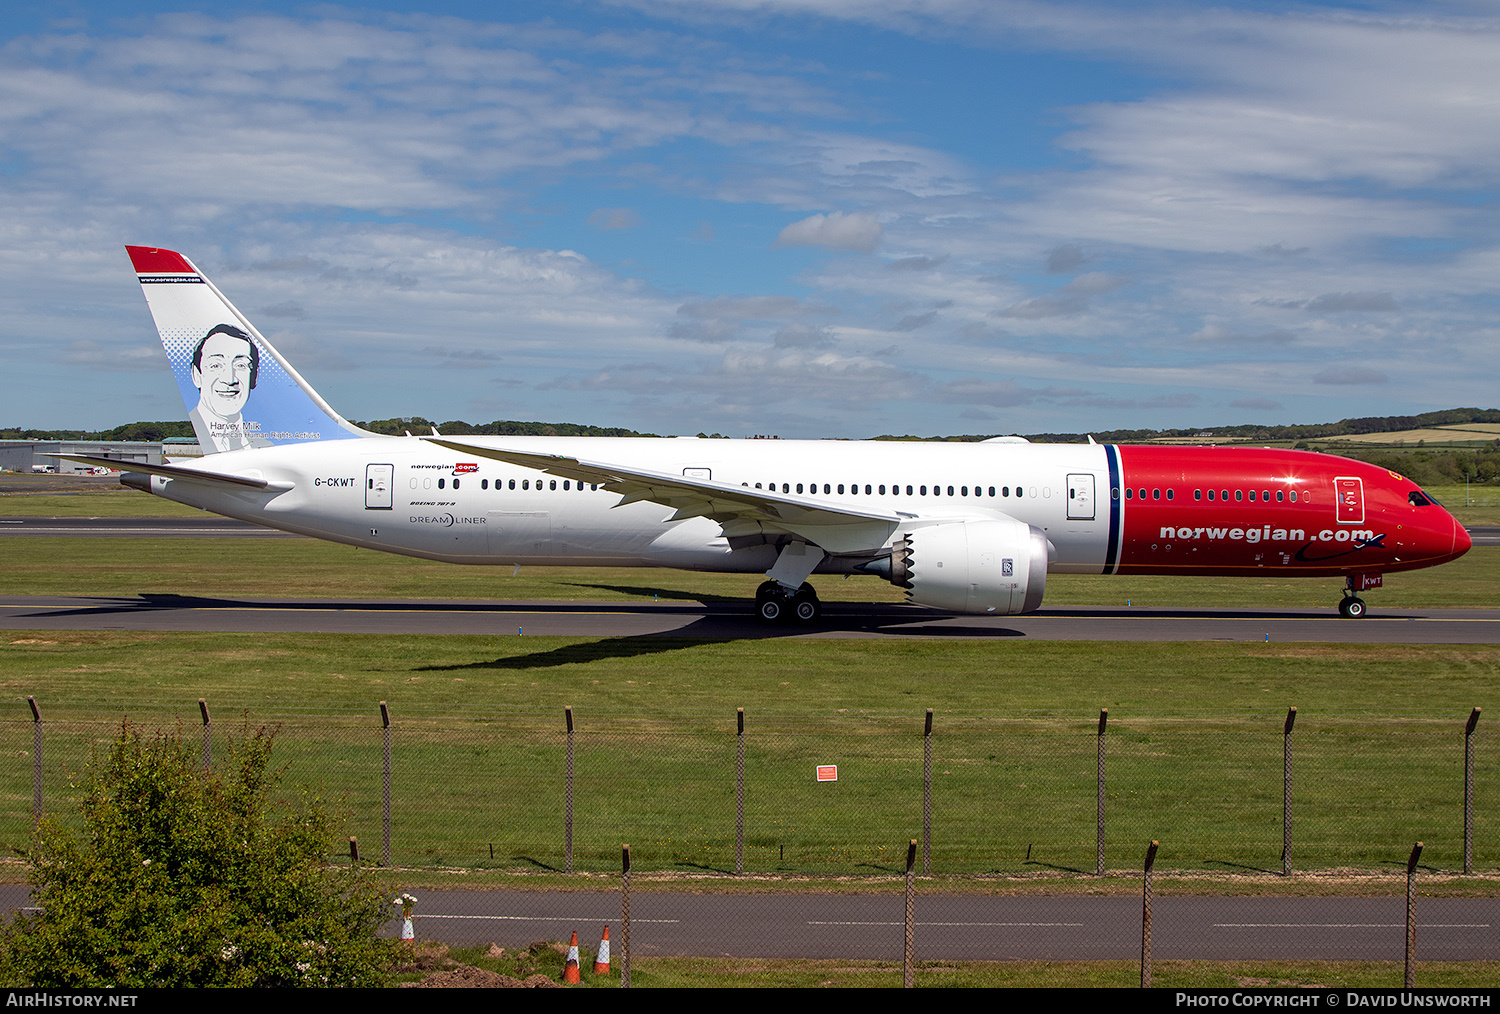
x=240 y=392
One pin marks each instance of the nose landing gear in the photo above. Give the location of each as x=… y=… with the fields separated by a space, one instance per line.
x=1353 y=607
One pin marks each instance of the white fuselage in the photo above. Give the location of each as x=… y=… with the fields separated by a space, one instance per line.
x=410 y=496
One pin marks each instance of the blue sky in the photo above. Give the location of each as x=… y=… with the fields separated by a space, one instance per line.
x=800 y=217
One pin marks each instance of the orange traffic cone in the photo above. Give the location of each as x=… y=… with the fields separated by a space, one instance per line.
x=570 y=974
x=601 y=959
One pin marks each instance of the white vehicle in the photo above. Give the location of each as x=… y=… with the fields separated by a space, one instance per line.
x=964 y=527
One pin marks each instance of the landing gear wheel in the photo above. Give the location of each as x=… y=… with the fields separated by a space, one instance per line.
x=805 y=605
x=771 y=608
x=1352 y=607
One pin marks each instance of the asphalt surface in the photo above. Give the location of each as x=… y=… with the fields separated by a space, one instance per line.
x=966 y=928
x=734 y=620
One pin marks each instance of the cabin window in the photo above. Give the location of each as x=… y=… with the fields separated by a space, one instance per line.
x=1156 y=494
x=525 y=483
x=1265 y=495
x=455 y=483
x=1280 y=494
x=440 y=483
x=786 y=487
x=1293 y=496
x=922 y=490
x=1239 y=495
x=1224 y=495
x=963 y=490
x=1197 y=494
x=1252 y=496
x=1171 y=493
x=1211 y=496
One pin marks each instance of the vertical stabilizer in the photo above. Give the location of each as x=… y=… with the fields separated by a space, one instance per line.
x=240 y=392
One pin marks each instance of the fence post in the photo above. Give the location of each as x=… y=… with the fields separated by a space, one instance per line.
x=739 y=807
x=385 y=794
x=1099 y=810
x=207 y=735
x=625 y=917
x=1411 y=915
x=927 y=797
x=1469 y=791
x=36 y=759
x=908 y=969
x=568 y=798
x=1286 y=792
x=1146 y=918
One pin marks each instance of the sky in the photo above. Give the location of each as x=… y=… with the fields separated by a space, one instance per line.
x=806 y=218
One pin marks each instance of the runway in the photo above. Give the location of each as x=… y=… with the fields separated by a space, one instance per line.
x=960 y=927
x=734 y=620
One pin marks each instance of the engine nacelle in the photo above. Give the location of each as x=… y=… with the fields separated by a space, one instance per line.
x=994 y=567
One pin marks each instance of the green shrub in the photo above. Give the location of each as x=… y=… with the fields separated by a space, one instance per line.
x=185 y=879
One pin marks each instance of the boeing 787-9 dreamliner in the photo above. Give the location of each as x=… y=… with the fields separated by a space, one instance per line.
x=963 y=527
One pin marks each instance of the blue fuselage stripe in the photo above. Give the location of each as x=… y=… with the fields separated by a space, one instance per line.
x=1112 y=551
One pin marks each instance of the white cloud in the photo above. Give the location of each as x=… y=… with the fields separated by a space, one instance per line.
x=858 y=231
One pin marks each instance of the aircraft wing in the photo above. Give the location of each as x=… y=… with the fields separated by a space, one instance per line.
x=739 y=510
x=172 y=471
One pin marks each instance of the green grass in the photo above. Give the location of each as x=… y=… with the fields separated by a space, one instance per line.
x=88 y=502
x=763 y=973
x=1194 y=744
x=1472 y=505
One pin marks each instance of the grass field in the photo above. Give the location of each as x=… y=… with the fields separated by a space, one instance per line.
x=1194 y=743
x=720 y=973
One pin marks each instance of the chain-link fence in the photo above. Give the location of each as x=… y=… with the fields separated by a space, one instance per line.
x=815 y=814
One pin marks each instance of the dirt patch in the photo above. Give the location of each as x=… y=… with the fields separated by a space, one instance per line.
x=469 y=977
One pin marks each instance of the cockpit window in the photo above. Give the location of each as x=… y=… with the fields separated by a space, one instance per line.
x=1419 y=499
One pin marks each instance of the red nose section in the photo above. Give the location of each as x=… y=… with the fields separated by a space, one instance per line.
x=1462 y=543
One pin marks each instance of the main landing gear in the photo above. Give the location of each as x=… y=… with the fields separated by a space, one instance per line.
x=774 y=604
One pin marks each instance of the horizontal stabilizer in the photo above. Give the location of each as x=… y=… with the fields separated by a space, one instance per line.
x=170 y=471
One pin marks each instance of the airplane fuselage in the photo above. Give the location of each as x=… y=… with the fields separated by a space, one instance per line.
x=1104 y=509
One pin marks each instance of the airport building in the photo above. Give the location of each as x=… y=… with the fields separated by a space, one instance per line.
x=36 y=455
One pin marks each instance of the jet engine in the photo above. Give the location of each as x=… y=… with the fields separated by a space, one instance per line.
x=996 y=567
